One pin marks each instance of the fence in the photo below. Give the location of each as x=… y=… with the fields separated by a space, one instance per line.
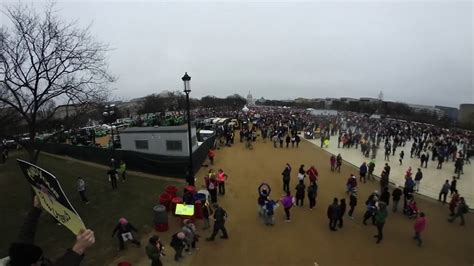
x=173 y=166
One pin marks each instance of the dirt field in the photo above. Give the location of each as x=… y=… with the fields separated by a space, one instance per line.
x=306 y=240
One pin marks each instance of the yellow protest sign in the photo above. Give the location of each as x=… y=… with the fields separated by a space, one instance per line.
x=66 y=217
x=52 y=197
x=182 y=209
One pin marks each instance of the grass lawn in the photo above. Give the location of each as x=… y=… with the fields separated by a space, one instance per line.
x=134 y=200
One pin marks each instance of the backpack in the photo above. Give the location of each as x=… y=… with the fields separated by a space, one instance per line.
x=211 y=185
x=465 y=209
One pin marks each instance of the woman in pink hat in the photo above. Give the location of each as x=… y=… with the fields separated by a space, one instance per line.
x=124 y=233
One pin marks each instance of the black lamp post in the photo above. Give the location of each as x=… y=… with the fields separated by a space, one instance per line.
x=187 y=89
x=108 y=114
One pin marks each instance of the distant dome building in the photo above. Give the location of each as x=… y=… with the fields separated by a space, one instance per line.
x=250 y=100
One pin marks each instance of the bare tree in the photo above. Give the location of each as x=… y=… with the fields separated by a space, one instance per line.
x=46 y=62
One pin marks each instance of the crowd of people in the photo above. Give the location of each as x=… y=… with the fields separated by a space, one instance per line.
x=281 y=127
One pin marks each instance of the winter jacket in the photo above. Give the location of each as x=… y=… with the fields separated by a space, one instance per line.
x=154 y=255
x=300 y=188
x=352 y=200
x=420 y=224
x=312 y=191
x=396 y=194
x=333 y=211
x=287 y=201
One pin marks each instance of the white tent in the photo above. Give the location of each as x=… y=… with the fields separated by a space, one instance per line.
x=245 y=109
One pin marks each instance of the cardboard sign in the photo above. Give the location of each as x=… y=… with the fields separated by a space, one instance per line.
x=182 y=209
x=52 y=197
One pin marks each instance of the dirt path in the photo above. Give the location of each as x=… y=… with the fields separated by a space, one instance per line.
x=306 y=240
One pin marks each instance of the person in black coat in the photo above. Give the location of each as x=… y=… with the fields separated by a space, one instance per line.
x=286 y=177
x=396 y=195
x=352 y=203
x=123 y=230
x=220 y=216
x=342 y=211
x=312 y=193
x=333 y=214
x=178 y=243
x=300 y=189
x=385 y=196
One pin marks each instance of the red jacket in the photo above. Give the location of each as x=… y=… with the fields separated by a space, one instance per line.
x=420 y=224
x=313 y=174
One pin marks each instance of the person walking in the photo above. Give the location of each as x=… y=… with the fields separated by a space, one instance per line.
x=287 y=203
x=396 y=196
x=154 y=251
x=332 y=161
x=301 y=173
x=312 y=193
x=385 y=196
x=124 y=230
x=312 y=174
x=402 y=154
x=221 y=178
x=220 y=216
x=333 y=214
x=380 y=217
x=453 y=203
x=269 y=209
x=178 y=243
x=384 y=181
x=286 y=177
x=351 y=184
x=460 y=211
x=352 y=203
x=444 y=191
x=342 y=211
x=371 y=168
x=287 y=140
x=211 y=154
x=191 y=237
x=212 y=188
x=418 y=177
x=363 y=172
x=300 y=189
x=338 y=162
x=420 y=225
x=453 y=186
x=371 y=204
x=206 y=213
x=123 y=170
x=113 y=177
x=81 y=188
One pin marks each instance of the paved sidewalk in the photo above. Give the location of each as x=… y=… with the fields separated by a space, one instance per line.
x=432 y=180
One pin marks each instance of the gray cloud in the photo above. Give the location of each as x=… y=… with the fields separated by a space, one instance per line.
x=415 y=52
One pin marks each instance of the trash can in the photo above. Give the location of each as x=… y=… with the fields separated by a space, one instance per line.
x=171 y=190
x=165 y=200
x=160 y=218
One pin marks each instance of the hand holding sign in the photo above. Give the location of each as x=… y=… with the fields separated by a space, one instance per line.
x=51 y=197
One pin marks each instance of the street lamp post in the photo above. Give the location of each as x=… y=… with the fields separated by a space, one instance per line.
x=187 y=89
x=108 y=113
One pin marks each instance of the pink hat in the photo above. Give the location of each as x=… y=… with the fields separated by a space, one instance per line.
x=123 y=221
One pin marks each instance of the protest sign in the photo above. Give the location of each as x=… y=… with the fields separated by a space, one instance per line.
x=52 y=197
x=186 y=210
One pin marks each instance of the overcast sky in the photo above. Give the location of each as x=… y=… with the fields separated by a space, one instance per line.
x=414 y=52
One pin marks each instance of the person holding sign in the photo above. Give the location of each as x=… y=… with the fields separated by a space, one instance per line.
x=25 y=252
x=124 y=233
